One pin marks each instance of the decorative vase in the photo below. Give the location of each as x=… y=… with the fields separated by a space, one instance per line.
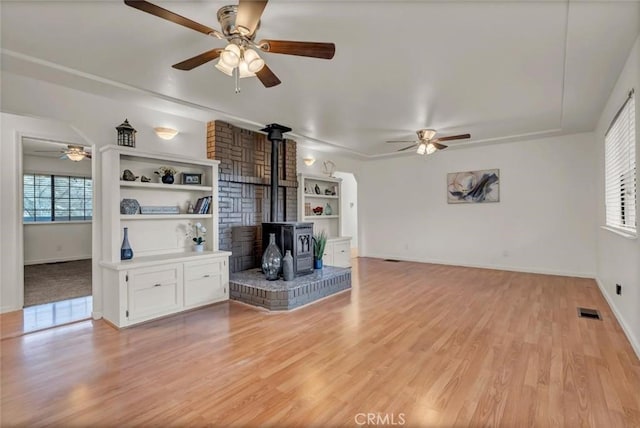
x=167 y=178
x=317 y=189
x=327 y=209
x=317 y=263
x=198 y=248
x=271 y=259
x=126 y=253
x=287 y=266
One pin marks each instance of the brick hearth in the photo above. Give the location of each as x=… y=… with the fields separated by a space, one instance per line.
x=251 y=287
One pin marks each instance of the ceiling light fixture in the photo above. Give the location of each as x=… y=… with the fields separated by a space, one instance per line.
x=309 y=161
x=75 y=156
x=239 y=62
x=422 y=148
x=166 y=133
x=431 y=148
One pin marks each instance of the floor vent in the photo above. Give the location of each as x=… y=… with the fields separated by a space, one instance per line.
x=392 y=260
x=589 y=313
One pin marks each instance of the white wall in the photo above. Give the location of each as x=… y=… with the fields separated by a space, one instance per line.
x=56 y=242
x=544 y=222
x=73 y=117
x=618 y=258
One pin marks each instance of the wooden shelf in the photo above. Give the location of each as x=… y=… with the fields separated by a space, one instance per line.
x=311 y=217
x=162 y=186
x=163 y=216
x=313 y=195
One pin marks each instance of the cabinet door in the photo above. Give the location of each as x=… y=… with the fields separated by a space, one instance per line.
x=327 y=258
x=154 y=291
x=342 y=254
x=205 y=282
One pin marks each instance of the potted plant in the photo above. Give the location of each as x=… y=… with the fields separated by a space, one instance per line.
x=167 y=174
x=319 y=242
x=197 y=233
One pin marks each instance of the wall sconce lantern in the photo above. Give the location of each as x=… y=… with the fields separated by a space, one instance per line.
x=126 y=135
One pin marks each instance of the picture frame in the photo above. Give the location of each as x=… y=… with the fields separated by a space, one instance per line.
x=191 y=179
x=472 y=187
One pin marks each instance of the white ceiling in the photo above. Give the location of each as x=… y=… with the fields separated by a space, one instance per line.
x=499 y=70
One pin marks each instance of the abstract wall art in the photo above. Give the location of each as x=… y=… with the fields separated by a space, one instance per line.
x=470 y=187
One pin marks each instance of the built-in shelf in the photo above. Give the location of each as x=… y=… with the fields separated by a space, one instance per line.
x=162 y=186
x=163 y=216
x=318 y=217
x=160 y=259
x=311 y=195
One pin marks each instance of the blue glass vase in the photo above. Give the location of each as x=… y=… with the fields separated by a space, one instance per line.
x=126 y=253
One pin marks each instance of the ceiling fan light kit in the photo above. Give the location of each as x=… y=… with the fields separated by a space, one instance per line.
x=427 y=143
x=239 y=59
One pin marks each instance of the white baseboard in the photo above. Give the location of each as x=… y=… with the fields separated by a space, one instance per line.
x=56 y=260
x=625 y=327
x=5 y=309
x=96 y=315
x=487 y=266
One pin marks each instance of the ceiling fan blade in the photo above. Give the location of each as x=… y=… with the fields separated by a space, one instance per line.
x=402 y=141
x=453 y=137
x=267 y=77
x=310 y=49
x=248 y=17
x=407 y=148
x=438 y=145
x=87 y=155
x=203 y=58
x=163 y=13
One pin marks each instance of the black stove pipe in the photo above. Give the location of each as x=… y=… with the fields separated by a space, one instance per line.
x=274 y=134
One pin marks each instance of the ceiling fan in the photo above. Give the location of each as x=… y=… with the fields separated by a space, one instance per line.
x=239 y=25
x=427 y=144
x=72 y=152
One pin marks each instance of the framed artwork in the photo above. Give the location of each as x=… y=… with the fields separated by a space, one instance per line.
x=471 y=187
x=188 y=178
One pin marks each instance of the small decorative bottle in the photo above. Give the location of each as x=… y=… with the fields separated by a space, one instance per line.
x=271 y=259
x=327 y=209
x=287 y=266
x=126 y=253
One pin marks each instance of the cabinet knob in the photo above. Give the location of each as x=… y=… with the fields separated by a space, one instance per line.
x=206 y=276
x=157 y=285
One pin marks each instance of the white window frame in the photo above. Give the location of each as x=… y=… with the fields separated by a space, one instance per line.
x=620 y=171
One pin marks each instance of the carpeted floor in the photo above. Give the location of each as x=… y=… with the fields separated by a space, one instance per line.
x=52 y=282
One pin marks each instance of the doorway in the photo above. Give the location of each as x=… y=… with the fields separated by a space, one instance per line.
x=57 y=213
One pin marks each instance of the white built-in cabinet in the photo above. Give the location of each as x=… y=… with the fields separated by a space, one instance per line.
x=166 y=275
x=313 y=192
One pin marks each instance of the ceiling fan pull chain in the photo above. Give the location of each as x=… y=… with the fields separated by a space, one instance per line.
x=236 y=75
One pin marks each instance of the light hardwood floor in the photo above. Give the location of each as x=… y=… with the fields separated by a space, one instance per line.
x=428 y=344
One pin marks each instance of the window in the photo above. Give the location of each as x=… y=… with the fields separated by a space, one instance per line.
x=620 y=168
x=49 y=198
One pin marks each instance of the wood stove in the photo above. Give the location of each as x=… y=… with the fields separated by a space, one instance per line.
x=296 y=237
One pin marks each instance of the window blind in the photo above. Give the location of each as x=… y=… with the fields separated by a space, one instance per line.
x=620 y=169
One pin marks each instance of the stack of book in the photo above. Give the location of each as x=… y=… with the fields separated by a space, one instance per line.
x=307 y=209
x=202 y=206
